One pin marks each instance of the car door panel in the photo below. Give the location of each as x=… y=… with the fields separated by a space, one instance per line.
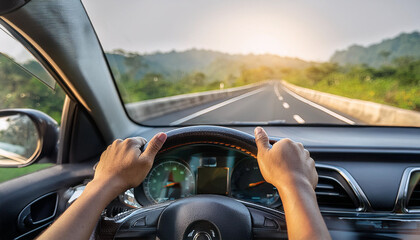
x=35 y=192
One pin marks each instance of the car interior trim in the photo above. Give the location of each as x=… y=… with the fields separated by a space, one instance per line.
x=24 y=236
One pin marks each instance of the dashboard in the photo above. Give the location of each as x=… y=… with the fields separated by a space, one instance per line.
x=368 y=188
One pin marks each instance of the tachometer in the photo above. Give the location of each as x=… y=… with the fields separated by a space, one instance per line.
x=169 y=180
x=248 y=184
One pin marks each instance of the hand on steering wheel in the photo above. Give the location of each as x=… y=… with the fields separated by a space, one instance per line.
x=132 y=166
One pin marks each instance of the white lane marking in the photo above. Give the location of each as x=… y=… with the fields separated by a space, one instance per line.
x=298 y=119
x=214 y=107
x=336 y=115
x=286 y=105
x=276 y=90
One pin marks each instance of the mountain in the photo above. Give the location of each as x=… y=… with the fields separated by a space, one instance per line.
x=376 y=55
x=215 y=65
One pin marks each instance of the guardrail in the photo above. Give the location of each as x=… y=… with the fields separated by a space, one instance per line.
x=368 y=112
x=147 y=109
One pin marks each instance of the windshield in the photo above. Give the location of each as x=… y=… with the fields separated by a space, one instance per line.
x=263 y=62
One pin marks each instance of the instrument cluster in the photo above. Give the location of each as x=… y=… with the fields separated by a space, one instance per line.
x=203 y=169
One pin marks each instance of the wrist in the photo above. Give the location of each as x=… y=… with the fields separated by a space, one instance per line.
x=295 y=189
x=106 y=188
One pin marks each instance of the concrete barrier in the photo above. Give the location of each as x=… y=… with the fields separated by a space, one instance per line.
x=368 y=112
x=147 y=109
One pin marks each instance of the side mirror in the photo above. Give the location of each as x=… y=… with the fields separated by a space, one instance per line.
x=26 y=135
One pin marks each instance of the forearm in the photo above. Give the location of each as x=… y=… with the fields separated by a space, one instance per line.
x=79 y=220
x=120 y=167
x=303 y=218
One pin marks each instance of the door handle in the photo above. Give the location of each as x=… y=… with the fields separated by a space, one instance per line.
x=38 y=211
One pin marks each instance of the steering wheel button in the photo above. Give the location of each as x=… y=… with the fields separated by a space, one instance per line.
x=141 y=222
x=270 y=223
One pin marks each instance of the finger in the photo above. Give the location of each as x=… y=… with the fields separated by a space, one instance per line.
x=155 y=145
x=138 y=142
x=261 y=139
x=307 y=154
x=315 y=177
x=300 y=145
x=141 y=140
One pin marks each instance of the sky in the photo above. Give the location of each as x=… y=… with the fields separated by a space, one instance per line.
x=12 y=47
x=307 y=29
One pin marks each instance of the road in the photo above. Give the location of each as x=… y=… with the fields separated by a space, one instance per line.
x=270 y=103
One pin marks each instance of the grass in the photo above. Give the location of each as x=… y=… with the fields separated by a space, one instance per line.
x=10 y=173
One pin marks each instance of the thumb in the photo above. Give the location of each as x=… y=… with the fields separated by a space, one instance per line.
x=155 y=145
x=261 y=139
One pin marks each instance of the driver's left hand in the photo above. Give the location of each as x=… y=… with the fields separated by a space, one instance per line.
x=123 y=165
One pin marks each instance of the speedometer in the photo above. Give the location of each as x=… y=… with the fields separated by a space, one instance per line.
x=248 y=184
x=169 y=180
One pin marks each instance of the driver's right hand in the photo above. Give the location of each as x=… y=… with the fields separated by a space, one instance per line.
x=286 y=164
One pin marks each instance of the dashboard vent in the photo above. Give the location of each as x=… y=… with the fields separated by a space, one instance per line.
x=413 y=201
x=334 y=193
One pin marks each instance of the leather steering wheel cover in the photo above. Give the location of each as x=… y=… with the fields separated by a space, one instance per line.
x=210 y=135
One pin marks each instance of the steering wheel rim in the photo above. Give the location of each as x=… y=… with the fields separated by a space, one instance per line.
x=210 y=135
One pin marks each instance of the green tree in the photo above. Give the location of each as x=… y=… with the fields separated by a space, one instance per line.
x=408 y=70
x=134 y=63
x=20 y=89
x=318 y=72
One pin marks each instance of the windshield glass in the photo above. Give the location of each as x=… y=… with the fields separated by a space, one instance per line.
x=263 y=62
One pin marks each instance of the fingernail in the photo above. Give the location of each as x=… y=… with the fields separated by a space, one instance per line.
x=161 y=137
x=258 y=130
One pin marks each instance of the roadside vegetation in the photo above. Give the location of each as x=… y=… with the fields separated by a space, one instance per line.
x=154 y=85
x=143 y=77
x=396 y=84
x=19 y=89
x=10 y=173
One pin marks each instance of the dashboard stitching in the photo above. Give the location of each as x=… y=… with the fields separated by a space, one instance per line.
x=212 y=142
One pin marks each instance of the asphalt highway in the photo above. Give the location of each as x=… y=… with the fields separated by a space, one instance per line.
x=272 y=103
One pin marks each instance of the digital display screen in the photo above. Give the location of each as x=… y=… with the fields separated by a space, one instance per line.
x=213 y=180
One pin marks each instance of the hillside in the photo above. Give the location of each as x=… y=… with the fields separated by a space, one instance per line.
x=376 y=55
x=215 y=65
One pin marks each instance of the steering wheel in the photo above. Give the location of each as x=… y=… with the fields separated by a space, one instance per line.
x=201 y=217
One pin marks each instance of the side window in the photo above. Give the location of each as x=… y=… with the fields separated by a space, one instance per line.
x=24 y=83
